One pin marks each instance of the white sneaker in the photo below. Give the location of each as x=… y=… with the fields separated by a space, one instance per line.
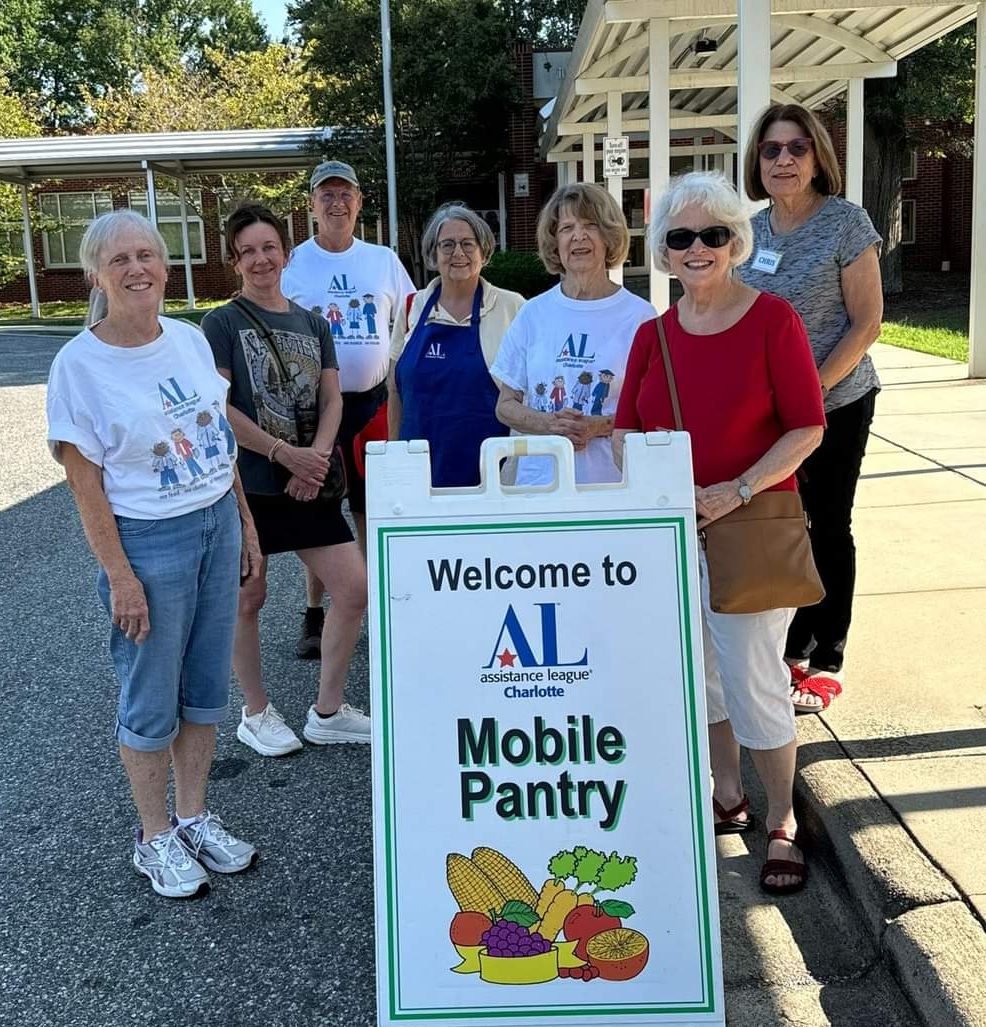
x=266 y=733
x=347 y=724
x=211 y=844
x=169 y=865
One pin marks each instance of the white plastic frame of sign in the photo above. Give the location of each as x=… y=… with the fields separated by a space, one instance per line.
x=536 y=665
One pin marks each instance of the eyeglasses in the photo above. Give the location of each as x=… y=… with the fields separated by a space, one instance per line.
x=771 y=149
x=330 y=196
x=715 y=236
x=468 y=246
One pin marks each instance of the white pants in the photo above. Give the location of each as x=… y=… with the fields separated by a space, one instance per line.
x=747 y=681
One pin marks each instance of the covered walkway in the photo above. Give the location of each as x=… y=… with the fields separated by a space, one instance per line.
x=657 y=70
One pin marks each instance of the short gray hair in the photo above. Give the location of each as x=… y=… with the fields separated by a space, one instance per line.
x=101 y=233
x=713 y=192
x=455 y=211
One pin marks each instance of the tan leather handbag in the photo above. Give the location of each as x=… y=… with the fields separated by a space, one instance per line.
x=759 y=555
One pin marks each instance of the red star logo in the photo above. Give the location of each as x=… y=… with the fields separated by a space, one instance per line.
x=506 y=658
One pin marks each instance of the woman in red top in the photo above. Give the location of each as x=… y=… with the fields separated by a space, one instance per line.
x=751 y=401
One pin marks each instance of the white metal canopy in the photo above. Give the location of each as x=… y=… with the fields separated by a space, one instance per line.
x=661 y=69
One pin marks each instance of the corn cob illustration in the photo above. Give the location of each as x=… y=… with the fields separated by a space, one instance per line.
x=470 y=887
x=505 y=875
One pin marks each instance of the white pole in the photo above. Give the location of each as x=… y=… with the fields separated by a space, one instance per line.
x=753 y=73
x=854 y=141
x=32 y=281
x=588 y=157
x=388 y=116
x=977 y=289
x=659 y=112
x=501 y=187
x=614 y=127
x=572 y=175
x=151 y=204
x=186 y=247
x=561 y=174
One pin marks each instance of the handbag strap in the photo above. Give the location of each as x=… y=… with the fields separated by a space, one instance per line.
x=669 y=374
x=267 y=334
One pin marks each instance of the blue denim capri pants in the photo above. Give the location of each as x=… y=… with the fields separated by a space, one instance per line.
x=189 y=567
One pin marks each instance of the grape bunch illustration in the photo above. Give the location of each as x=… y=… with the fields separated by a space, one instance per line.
x=509 y=939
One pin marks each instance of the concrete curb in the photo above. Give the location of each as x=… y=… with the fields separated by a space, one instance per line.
x=933 y=944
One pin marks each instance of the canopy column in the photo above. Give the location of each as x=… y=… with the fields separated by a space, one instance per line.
x=187 y=249
x=501 y=188
x=854 y=141
x=977 y=285
x=32 y=280
x=659 y=132
x=614 y=127
x=151 y=200
x=588 y=157
x=753 y=73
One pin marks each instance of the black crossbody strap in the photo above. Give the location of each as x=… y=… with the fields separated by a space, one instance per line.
x=267 y=334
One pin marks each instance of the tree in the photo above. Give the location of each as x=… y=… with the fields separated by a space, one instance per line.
x=547 y=24
x=55 y=52
x=928 y=107
x=454 y=88
x=15 y=122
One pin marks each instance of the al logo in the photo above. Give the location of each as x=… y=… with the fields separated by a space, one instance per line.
x=513 y=644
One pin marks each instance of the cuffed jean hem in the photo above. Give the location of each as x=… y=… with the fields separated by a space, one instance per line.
x=195 y=715
x=141 y=744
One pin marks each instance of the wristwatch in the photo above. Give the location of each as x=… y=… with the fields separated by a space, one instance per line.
x=745 y=492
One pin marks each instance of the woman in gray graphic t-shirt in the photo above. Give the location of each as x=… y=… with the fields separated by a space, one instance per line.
x=821 y=254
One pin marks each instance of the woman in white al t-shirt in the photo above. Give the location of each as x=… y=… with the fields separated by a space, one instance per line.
x=562 y=361
x=136 y=414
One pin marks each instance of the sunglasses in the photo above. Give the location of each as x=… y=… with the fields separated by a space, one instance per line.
x=714 y=237
x=771 y=149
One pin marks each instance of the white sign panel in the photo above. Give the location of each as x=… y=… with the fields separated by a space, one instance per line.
x=542 y=831
x=522 y=184
x=616 y=156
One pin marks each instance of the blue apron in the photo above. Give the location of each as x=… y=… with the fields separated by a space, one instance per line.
x=447 y=395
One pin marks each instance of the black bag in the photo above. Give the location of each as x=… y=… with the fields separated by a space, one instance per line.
x=335 y=486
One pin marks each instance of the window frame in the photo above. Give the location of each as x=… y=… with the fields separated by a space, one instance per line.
x=96 y=196
x=909 y=172
x=193 y=202
x=914 y=222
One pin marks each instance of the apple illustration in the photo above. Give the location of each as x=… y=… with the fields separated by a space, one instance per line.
x=585 y=922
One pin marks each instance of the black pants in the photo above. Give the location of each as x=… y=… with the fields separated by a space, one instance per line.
x=828 y=487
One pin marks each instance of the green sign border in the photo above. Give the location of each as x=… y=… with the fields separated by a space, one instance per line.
x=383 y=708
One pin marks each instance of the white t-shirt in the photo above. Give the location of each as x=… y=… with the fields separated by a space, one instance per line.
x=562 y=352
x=153 y=417
x=358 y=292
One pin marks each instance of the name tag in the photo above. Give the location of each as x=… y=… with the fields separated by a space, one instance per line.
x=767 y=261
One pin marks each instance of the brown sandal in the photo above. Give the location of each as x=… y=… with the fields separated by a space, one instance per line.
x=729 y=819
x=775 y=867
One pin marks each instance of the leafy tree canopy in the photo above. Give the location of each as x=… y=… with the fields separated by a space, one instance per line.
x=545 y=24
x=15 y=122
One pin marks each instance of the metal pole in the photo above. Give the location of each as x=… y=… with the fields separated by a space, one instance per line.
x=187 y=249
x=977 y=296
x=32 y=281
x=388 y=117
x=151 y=204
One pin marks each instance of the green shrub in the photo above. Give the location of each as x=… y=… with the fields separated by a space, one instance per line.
x=519 y=272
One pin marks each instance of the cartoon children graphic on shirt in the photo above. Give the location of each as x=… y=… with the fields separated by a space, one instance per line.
x=370 y=313
x=581 y=391
x=164 y=464
x=541 y=402
x=558 y=394
x=225 y=429
x=334 y=316
x=354 y=322
x=187 y=453
x=208 y=438
x=601 y=392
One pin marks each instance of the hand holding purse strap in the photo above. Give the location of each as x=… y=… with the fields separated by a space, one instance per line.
x=669 y=374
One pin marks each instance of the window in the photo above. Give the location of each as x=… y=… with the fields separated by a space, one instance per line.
x=909 y=172
x=68 y=214
x=11 y=240
x=169 y=222
x=908 y=222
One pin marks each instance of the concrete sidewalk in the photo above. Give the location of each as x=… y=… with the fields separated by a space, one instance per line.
x=893 y=775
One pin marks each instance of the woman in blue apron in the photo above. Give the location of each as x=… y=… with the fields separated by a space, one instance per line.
x=444 y=341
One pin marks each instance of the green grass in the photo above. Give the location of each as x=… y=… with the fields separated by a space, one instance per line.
x=934 y=337
x=74 y=311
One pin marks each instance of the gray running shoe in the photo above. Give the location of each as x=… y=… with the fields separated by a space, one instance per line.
x=211 y=844
x=169 y=865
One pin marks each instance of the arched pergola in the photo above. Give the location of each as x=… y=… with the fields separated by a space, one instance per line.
x=662 y=69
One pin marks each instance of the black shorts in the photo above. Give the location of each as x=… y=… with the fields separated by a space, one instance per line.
x=358 y=409
x=286 y=525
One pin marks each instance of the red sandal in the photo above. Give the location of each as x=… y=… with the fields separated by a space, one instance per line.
x=821 y=685
x=729 y=819
x=776 y=867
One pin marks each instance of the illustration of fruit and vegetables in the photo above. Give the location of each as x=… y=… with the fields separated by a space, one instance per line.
x=508 y=932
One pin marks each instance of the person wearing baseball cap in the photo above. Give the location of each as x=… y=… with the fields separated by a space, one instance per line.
x=334 y=267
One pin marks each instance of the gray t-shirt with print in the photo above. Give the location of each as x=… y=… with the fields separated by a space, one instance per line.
x=809 y=277
x=257 y=390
